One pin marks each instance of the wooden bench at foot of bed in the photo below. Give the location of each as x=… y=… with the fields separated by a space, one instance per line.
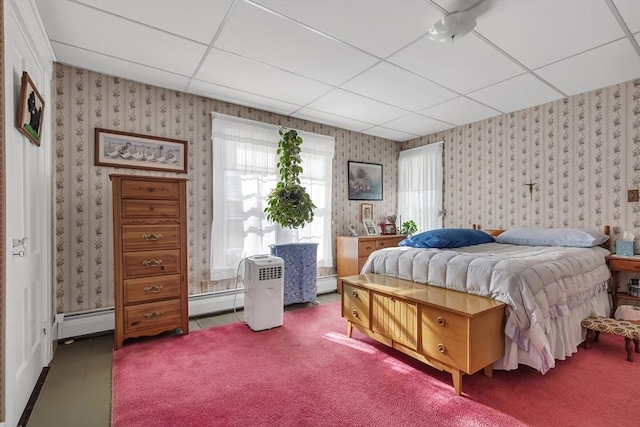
x=452 y=331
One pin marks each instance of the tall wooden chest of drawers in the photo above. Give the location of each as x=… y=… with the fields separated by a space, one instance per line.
x=150 y=256
x=353 y=252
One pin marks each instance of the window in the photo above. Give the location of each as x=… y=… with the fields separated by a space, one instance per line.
x=420 y=186
x=244 y=172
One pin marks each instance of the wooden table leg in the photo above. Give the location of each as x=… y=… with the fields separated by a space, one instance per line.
x=349 y=328
x=627 y=345
x=456 y=374
x=488 y=371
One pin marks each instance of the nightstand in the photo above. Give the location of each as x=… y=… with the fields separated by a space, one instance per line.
x=617 y=264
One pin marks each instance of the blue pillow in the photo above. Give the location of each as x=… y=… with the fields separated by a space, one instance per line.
x=533 y=236
x=447 y=238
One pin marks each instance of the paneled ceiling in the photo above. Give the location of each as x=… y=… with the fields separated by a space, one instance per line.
x=363 y=65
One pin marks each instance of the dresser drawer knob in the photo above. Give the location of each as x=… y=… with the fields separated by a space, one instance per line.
x=368 y=248
x=441 y=321
x=152 y=236
x=151 y=207
x=152 y=262
x=354 y=294
x=354 y=313
x=154 y=315
x=153 y=289
x=442 y=348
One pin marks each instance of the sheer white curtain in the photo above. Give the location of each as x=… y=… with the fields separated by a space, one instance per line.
x=244 y=172
x=420 y=186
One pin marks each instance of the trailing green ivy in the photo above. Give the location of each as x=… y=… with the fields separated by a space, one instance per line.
x=289 y=204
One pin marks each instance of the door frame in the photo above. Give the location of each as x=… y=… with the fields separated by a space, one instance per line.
x=3 y=281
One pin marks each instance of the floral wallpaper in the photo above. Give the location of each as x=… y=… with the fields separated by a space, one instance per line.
x=567 y=163
x=84 y=100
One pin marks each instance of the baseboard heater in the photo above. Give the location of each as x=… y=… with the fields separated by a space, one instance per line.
x=103 y=320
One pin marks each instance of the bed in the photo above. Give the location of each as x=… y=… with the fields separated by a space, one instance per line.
x=548 y=290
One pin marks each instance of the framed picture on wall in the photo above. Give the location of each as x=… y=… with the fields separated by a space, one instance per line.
x=129 y=150
x=30 y=110
x=365 y=181
x=366 y=211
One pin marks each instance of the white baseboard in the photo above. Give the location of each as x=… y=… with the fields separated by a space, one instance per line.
x=78 y=324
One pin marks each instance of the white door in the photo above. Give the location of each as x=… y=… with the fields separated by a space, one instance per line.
x=28 y=216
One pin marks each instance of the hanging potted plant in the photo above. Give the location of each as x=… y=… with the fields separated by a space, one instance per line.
x=290 y=206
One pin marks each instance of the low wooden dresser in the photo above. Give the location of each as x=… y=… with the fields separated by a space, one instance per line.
x=449 y=330
x=353 y=252
x=150 y=256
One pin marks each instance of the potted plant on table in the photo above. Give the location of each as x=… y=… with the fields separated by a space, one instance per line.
x=290 y=206
x=408 y=228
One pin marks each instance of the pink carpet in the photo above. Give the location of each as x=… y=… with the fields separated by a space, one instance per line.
x=307 y=373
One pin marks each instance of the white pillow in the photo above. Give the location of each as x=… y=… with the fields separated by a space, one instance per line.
x=552 y=237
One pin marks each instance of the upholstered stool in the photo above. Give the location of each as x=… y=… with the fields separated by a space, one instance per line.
x=628 y=329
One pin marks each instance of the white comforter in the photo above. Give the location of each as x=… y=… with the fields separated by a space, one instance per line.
x=538 y=283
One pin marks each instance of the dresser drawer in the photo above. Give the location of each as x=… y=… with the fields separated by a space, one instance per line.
x=149 y=263
x=438 y=322
x=355 y=304
x=448 y=351
x=445 y=336
x=140 y=189
x=366 y=248
x=148 y=237
x=147 y=289
x=150 y=209
x=388 y=243
x=151 y=315
x=624 y=264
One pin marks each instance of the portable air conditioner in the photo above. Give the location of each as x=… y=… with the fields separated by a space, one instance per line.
x=263 y=292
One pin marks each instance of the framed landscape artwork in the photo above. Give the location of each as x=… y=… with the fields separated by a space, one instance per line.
x=365 y=181
x=129 y=150
x=30 y=110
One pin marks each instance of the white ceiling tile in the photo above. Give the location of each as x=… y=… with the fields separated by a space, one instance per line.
x=330 y=119
x=169 y=15
x=77 y=25
x=116 y=67
x=538 y=32
x=356 y=107
x=235 y=72
x=465 y=65
x=380 y=27
x=396 y=86
x=614 y=63
x=516 y=93
x=266 y=37
x=460 y=111
x=630 y=11
x=210 y=90
x=391 y=134
x=417 y=124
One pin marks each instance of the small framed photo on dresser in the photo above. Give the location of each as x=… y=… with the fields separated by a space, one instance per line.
x=370 y=227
